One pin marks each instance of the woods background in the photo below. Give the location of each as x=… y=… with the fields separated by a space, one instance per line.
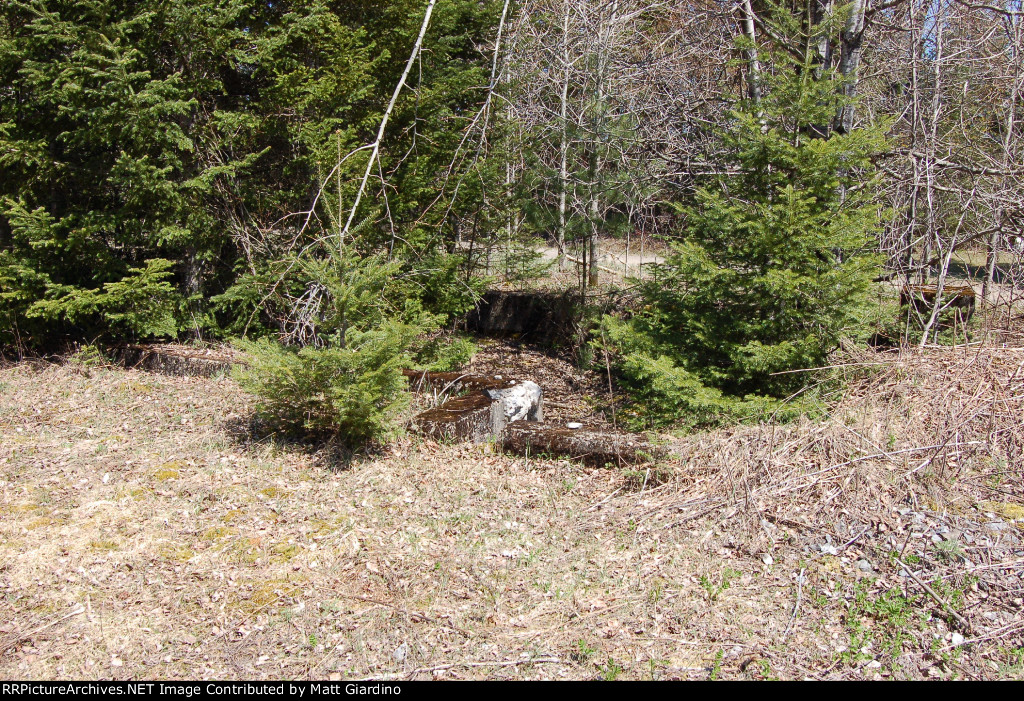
x=159 y=160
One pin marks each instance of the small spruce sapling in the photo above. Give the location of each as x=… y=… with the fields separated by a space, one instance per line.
x=347 y=381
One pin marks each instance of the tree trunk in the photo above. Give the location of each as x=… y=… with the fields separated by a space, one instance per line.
x=851 y=40
x=753 y=63
x=597 y=139
x=594 y=273
x=563 y=146
x=375 y=152
x=991 y=258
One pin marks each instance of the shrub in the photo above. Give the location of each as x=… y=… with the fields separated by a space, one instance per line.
x=354 y=393
x=360 y=334
x=773 y=268
x=444 y=352
x=139 y=305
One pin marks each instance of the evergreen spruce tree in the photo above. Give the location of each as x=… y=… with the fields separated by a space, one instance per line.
x=346 y=379
x=168 y=144
x=94 y=160
x=353 y=328
x=773 y=264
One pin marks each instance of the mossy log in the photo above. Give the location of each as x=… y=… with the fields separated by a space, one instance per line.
x=177 y=361
x=595 y=447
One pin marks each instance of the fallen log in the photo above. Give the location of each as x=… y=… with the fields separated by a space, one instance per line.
x=176 y=360
x=591 y=446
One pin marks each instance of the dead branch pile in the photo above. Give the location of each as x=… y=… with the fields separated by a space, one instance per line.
x=907 y=428
x=916 y=476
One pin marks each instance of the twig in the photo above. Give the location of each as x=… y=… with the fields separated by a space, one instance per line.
x=996 y=566
x=998 y=633
x=18 y=637
x=603 y=500
x=954 y=432
x=796 y=608
x=831 y=367
x=889 y=454
x=854 y=539
x=419 y=617
x=931 y=592
x=452 y=665
x=793 y=523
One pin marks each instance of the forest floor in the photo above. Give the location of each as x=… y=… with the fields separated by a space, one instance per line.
x=145 y=533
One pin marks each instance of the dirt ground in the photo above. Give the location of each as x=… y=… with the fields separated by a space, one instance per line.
x=145 y=534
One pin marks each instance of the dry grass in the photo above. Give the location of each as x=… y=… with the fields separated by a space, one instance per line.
x=144 y=535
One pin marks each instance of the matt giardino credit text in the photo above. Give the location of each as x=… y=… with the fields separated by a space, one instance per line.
x=188 y=690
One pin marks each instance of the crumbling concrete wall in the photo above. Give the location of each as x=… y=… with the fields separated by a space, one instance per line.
x=544 y=318
x=492 y=403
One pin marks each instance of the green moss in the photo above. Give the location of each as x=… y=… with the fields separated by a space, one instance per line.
x=219 y=533
x=1006 y=509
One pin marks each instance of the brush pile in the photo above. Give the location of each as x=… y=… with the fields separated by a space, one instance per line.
x=913 y=484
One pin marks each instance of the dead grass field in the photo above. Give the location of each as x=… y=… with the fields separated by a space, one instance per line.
x=145 y=534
